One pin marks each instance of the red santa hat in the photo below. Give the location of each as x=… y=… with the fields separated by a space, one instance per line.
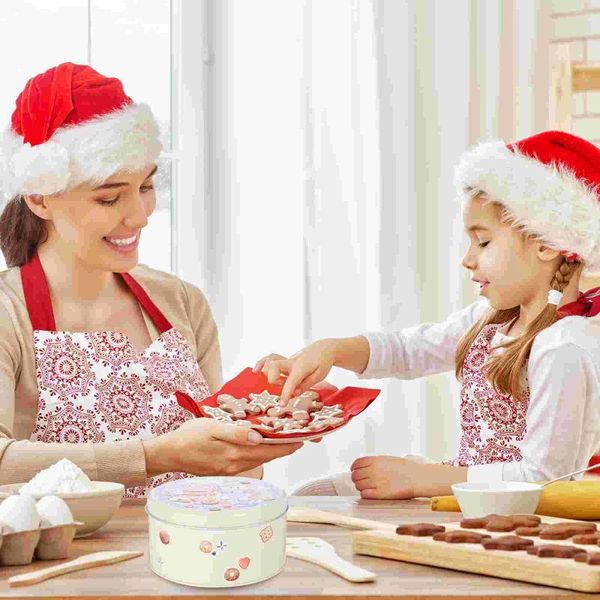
x=550 y=184
x=72 y=124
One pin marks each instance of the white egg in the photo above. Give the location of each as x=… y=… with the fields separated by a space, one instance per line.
x=54 y=511
x=19 y=513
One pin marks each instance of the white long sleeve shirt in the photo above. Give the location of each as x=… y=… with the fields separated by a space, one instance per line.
x=563 y=415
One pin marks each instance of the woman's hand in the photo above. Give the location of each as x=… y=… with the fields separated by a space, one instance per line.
x=207 y=447
x=299 y=372
x=395 y=478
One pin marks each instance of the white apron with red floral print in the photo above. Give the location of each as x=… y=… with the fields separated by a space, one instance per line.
x=493 y=425
x=93 y=387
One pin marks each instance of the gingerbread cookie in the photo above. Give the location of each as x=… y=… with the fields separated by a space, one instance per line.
x=530 y=531
x=263 y=401
x=238 y=407
x=298 y=408
x=420 y=529
x=498 y=523
x=591 y=558
x=510 y=522
x=460 y=537
x=510 y=543
x=555 y=551
x=279 y=425
x=473 y=523
x=218 y=414
x=563 y=531
x=587 y=539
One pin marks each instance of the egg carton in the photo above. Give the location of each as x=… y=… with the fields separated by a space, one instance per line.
x=44 y=543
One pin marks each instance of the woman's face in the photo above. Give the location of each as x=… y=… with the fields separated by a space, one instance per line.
x=101 y=225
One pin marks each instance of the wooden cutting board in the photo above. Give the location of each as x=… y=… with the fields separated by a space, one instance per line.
x=474 y=558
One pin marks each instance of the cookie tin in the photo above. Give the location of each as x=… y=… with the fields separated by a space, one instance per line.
x=217 y=531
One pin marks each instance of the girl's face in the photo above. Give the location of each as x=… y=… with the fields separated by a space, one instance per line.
x=100 y=225
x=510 y=268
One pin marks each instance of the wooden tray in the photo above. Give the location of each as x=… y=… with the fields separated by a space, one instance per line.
x=474 y=558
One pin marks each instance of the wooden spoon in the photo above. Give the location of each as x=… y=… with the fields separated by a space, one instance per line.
x=95 y=559
x=304 y=514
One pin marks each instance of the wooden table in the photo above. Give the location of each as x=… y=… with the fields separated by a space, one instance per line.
x=128 y=530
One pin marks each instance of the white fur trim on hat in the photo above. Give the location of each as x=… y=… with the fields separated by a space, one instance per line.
x=546 y=200
x=125 y=140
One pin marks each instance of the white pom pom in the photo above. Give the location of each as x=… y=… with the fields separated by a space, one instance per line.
x=41 y=169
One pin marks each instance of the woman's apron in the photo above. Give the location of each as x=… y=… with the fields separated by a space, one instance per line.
x=94 y=387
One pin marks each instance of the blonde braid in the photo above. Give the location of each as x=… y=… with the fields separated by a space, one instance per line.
x=505 y=370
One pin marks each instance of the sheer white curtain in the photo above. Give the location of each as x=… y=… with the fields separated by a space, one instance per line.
x=333 y=130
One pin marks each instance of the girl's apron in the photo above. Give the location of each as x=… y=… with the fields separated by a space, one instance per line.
x=493 y=425
x=94 y=388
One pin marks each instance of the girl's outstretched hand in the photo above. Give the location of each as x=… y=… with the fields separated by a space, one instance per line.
x=301 y=371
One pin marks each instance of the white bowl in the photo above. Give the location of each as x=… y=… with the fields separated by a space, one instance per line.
x=94 y=508
x=501 y=498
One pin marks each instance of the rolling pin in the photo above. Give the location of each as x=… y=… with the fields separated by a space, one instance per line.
x=563 y=499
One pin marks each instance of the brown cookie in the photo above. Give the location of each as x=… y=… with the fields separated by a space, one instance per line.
x=473 y=523
x=238 y=407
x=460 y=537
x=507 y=542
x=500 y=523
x=420 y=529
x=588 y=539
x=555 y=551
x=531 y=531
x=526 y=520
x=591 y=558
x=563 y=531
x=298 y=407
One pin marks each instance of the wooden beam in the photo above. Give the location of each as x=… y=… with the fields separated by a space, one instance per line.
x=586 y=77
x=561 y=89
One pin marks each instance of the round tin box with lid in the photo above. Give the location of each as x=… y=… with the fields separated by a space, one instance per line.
x=217 y=531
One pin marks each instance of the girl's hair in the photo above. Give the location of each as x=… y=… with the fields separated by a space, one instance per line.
x=21 y=231
x=504 y=370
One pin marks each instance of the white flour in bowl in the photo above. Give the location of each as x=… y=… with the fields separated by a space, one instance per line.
x=63 y=476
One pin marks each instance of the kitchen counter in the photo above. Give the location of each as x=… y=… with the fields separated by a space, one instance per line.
x=128 y=530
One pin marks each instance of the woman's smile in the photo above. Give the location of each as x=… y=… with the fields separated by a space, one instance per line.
x=122 y=244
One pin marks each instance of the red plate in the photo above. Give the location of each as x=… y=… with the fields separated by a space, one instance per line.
x=353 y=400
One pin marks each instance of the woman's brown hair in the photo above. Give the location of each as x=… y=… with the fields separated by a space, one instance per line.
x=504 y=370
x=21 y=231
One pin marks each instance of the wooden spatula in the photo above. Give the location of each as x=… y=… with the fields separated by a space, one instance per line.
x=95 y=559
x=304 y=514
x=320 y=552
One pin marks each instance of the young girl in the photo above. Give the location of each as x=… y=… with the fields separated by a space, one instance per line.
x=102 y=360
x=527 y=354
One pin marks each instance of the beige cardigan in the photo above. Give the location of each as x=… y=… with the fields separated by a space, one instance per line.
x=183 y=304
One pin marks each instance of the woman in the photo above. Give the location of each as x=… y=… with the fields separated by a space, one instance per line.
x=102 y=361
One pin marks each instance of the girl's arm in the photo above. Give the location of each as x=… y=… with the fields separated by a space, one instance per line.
x=421 y=350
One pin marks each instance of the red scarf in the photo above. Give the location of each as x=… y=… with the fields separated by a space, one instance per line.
x=587 y=305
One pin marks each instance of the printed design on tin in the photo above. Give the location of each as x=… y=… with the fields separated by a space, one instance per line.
x=223 y=494
x=244 y=562
x=94 y=387
x=231 y=574
x=207 y=547
x=266 y=534
x=164 y=536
